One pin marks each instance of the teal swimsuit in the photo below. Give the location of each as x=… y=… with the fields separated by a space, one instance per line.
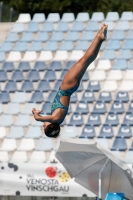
x=56 y=102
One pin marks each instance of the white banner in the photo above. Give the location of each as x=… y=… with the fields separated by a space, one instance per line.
x=30 y=179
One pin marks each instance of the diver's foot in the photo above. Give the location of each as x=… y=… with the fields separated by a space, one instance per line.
x=102 y=33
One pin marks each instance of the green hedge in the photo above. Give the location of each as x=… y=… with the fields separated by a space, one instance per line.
x=75 y=6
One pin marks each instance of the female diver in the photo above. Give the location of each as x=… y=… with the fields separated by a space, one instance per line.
x=70 y=84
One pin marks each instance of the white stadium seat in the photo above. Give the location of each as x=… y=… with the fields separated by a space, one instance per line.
x=110 y=86
x=115 y=75
x=24 y=18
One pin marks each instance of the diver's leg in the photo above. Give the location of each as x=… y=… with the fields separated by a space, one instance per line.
x=76 y=72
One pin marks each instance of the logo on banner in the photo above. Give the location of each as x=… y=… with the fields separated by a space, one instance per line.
x=53 y=182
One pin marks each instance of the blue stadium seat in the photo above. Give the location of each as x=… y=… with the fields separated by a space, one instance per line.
x=16 y=132
x=46 y=108
x=122 y=97
x=23 y=120
x=24 y=66
x=6 y=47
x=40 y=66
x=105 y=97
x=57 y=85
x=20 y=46
x=114 y=45
x=63 y=74
x=130 y=35
x=131 y=147
x=109 y=54
x=130 y=108
x=69 y=64
x=8 y=66
x=27 y=37
x=57 y=36
x=122 y=25
x=42 y=36
x=124 y=132
x=80 y=88
x=128 y=44
x=88 y=132
x=125 y=54
x=68 y=17
x=92 y=26
x=120 y=64
x=50 y=75
x=13 y=109
x=119 y=145
x=131 y=65
x=12 y=37
x=85 y=76
x=112 y=16
x=10 y=86
x=74 y=98
x=94 y=119
x=87 y=36
x=93 y=86
x=56 y=66
x=37 y=97
x=82 y=17
x=36 y=46
x=127 y=16
x=33 y=27
x=82 y=45
x=51 y=96
x=62 y=26
x=117 y=107
x=44 y=144
x=3 y=76
x=4 y=97
x=33 y=132
x=102 y=46
x=76 y=120
x=88 y=97
x=2 y=56
x=110 y=25
x=112 y=119
x=48 y=27
x=77 y=26
x=19 y=97
x=38 y=17
x=18 y=28
x=82 y=108
x=51 y=46
x=43 y=86
x=97 y=16
x=27 y=86
x=67 y=45
x=6 y=120
x=17 y=76
x=118 y=35
x=106 y=132
x=100 y=108
x=69 y=109
x=33 y=76
x=53 y=17
x=72 y=36
x=128 y=119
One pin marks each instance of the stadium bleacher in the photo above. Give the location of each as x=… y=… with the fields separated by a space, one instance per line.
x=34 y=58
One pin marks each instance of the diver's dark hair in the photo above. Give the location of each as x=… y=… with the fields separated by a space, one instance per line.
x=53 y=131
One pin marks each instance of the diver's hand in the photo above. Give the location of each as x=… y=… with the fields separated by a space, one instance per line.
x=36 y=113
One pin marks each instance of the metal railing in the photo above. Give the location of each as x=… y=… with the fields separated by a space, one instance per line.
x=7 y=14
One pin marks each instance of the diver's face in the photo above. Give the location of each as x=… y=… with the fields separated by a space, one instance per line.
x=45 y=124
